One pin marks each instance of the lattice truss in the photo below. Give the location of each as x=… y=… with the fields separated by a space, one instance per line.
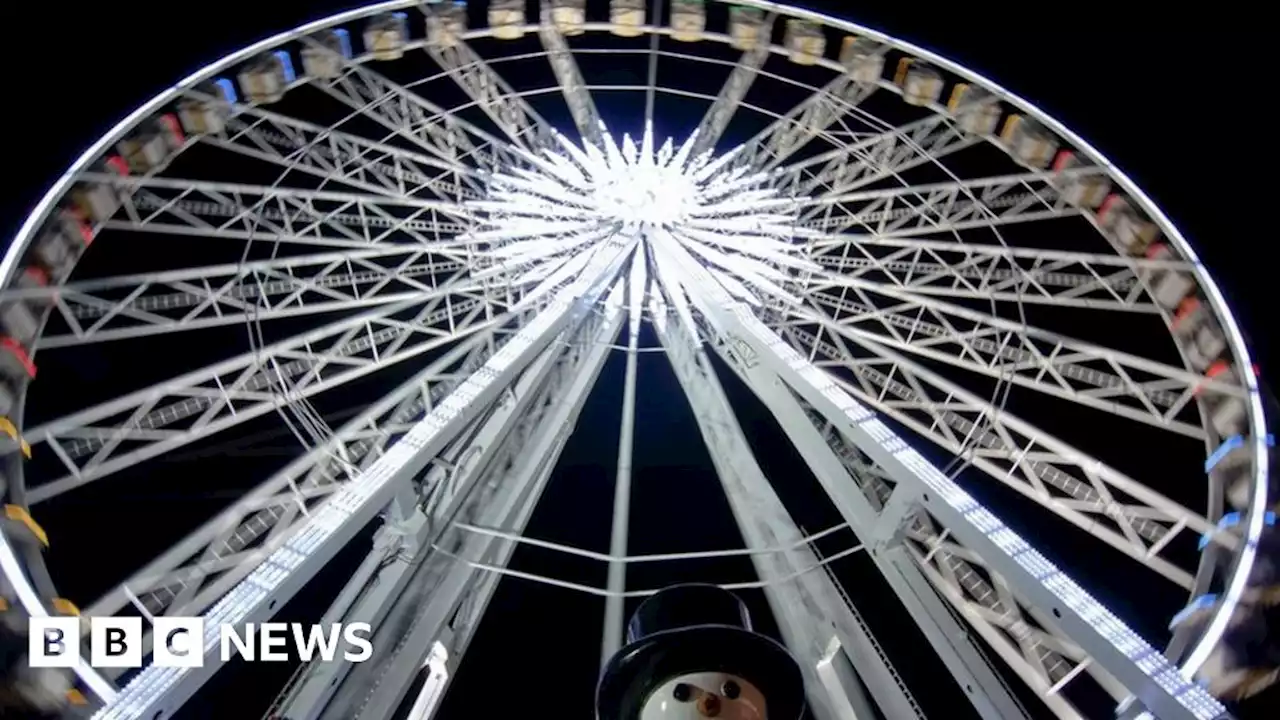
x=1016 y=631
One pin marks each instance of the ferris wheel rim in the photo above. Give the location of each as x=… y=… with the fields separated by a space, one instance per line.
x=1238 y=346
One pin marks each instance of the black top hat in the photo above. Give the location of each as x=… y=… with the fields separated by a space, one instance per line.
x=696 y=628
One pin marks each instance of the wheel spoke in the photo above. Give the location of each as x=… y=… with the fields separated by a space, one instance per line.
x=996 y=272
x=339 y=156
x=411 y=116
x=89 y=442
x=492 y=94
x=875 y=158
x=279 y=214
x=1023 y=354
x=581 y=107
x=232 y=294
x=1066 y=481
x=825 y=107
x=945 y=207
x=222 y=544
x=734 y=90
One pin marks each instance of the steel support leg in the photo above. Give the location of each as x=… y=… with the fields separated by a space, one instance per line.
x=950 y=640
x=810 y=609
x=617 y=580
x=380 y=594
x=447 y=597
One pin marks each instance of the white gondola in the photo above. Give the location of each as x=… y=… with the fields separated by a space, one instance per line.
x=688 y=20
x=805 y=41
x=446 y=23
x=1029 y=141
x=921 y=84
x=863 y=59
x=207 y=114
x=19 y=322
x=1198 y=334
x=1081 y=190
x=325 y=53
x=1169 y=287
x=975 y=109
x=7 y=399
x=627 y=17
x=1228 y=413
x=15 y=361
x=1231 y=468
x=146 y=150
x=1118 y=218
x=95 y=202
x=746 y=27
x=569 y=16
x=385 y=36
x=266 y=79
x=33 y=277
x=507 y=19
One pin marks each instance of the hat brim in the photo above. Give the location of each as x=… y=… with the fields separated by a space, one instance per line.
x=638 y=668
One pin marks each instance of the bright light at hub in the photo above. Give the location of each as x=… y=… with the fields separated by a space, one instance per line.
x=566 y=200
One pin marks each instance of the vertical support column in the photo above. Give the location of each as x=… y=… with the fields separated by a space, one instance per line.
x=987 y=693
x=809 y=608
x=839 y=676
x=617 y=581
x=725 y=319
x=446 y=599
x=375 y=594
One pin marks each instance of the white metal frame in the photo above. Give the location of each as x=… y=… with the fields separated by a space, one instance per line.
x=380 y=245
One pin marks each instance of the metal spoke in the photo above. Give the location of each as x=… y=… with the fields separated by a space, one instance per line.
x=873 y=158
x=279 y=214
x=490 y=92
x=297 y=556
x=945 y=207
x=812 y=117
x=234 y=293
x=803 y=608
x=1142 y=389
x=224 y=546
x=1047 y=663
x=996 y=272
x=1119 y=651
x=1114 y=508
x=99 y=441
x=576 y=95
x=499 y=488
x=735 y=89
x=412 y=117
x=334 y=155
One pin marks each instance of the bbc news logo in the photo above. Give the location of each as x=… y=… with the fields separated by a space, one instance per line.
x=179 y=642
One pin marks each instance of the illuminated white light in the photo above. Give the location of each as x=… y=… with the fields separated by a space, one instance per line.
x=539 y=220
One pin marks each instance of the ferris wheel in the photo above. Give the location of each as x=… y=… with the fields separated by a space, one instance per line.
x=904 y=262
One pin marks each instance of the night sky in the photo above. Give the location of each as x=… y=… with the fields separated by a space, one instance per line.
x=1170 y=106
